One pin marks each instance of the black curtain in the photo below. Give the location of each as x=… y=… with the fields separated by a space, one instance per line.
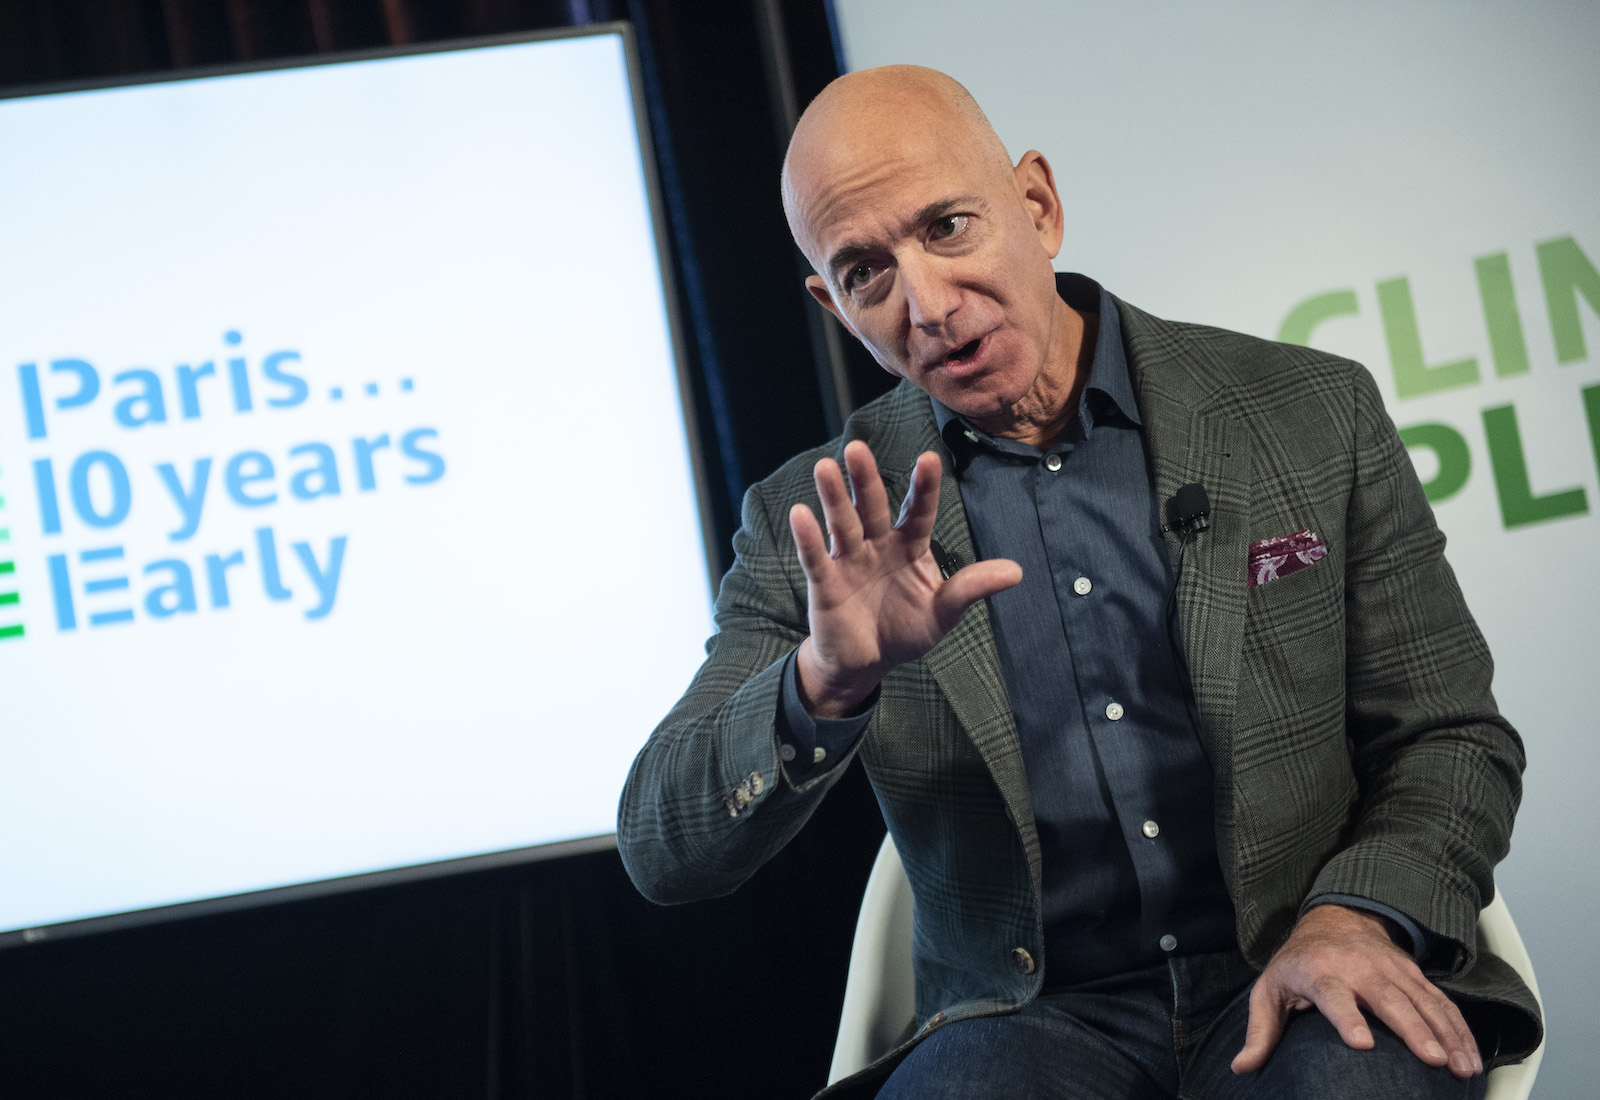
x=552 y=979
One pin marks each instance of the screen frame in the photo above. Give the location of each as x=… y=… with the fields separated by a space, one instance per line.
x=483 y=861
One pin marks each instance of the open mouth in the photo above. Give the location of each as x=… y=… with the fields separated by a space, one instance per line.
x=965 y=351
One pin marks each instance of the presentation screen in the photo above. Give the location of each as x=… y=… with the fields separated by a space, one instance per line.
x=348 y=515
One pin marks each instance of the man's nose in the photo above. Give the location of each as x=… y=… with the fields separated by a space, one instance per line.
x=931 y=297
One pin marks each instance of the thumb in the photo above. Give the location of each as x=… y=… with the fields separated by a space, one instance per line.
x=975 y=582
x=1268 y=1013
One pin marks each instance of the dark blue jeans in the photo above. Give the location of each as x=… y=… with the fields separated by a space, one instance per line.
x=1159 y=1034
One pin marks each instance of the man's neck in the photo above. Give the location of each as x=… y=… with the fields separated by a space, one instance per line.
x=1045 y=410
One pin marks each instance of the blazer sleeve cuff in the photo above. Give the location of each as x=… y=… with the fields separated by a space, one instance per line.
x=811 y=746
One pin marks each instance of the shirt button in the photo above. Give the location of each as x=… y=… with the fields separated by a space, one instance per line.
x=1114 y=711
x=1052 y=463
x=818 y=754
x=786 y=751
x=1022 y=959
x=1082 y=586
x=1169 y=942
x=1151 y=829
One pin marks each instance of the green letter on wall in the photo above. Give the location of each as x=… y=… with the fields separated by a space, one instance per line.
x=1591 y=409
x=1518 y=505
x=1567 y=273
x=1450 y=447
x=1303 y=318
x=1412 y=376
x=1500 y=314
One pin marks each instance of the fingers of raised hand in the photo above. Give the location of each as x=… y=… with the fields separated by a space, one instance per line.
x=809 y=542
x=838 y=510
x=921 y=505
x=871 y=501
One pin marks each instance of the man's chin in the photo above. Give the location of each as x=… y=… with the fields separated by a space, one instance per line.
x=974 y=403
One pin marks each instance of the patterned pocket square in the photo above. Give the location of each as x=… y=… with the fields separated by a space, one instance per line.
x=1274 y=558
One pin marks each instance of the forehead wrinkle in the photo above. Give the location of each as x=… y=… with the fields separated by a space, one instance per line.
x=816 y=208
x=829 y=186
x=930 y=212
x=878 y=125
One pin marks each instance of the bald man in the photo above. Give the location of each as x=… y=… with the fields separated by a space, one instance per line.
x=1191 y=805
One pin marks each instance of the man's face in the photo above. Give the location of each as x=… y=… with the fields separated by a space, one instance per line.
x=931 y=255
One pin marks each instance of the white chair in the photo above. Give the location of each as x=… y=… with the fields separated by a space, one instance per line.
x=878 y=995
x=1500 y=936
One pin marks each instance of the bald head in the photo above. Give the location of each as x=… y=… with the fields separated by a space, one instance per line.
x=932 y=249
x=868 y=119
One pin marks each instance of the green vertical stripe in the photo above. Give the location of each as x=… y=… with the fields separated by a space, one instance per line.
x=1591 y=409
x=1518 y=504
x=1500 y=314
x=11 y=631
x=8 y=567
x=1567 y=274
x=1414 y=375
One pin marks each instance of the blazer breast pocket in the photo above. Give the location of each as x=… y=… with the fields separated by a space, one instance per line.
x=1294 y=631
x=1273 y=559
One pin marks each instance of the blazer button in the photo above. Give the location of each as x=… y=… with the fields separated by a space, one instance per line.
x=1022 y=959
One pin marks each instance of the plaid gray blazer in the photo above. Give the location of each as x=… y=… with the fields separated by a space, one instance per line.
x=1346 y=706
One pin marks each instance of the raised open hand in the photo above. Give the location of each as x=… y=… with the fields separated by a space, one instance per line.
x=876 y=597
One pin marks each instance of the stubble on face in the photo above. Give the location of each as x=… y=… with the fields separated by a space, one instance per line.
x=874 y=158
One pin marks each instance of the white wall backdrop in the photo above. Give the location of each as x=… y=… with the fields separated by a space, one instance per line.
x=1427 y=171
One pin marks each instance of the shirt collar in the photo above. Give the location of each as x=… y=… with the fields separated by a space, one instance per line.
x=1109 y=388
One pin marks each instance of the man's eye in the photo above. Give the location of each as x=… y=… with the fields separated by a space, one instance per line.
x=859 y=276
x=949 y=225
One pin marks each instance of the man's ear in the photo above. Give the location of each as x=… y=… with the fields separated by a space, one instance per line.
x=1037 y=186
x=819 y=291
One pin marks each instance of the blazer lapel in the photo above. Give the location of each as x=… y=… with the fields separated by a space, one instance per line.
x=966 y=664
x=1191 y=440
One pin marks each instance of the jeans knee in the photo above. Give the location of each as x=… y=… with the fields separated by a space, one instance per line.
x=1313 y=1062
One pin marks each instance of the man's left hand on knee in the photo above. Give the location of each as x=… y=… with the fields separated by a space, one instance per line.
x=1340 y=961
